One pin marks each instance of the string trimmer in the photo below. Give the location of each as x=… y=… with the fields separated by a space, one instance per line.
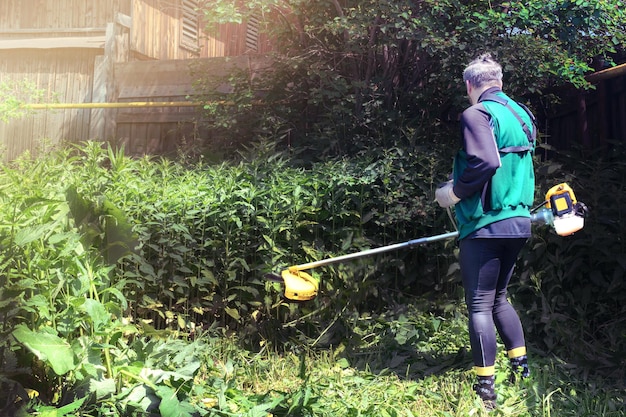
x=559 y=210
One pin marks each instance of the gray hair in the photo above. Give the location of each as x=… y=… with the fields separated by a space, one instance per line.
x=482 y=71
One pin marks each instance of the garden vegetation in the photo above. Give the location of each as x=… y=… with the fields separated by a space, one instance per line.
x=135 y=286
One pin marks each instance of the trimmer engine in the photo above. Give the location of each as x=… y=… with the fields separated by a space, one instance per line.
x=561 y=210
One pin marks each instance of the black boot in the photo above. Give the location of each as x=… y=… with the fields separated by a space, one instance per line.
x=519 y=368
x=485 y=388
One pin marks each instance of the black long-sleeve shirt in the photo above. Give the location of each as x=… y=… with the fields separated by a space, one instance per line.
x=480 y=145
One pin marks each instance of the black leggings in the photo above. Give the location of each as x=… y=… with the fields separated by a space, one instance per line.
x=486 y=268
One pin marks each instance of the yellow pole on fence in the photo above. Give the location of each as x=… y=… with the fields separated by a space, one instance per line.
x=132 y=104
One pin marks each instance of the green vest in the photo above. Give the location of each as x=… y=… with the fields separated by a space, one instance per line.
x=510 y=192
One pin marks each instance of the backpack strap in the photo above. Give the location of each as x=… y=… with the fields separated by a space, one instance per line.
x=530 y=135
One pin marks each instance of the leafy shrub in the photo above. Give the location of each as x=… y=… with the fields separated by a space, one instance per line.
x=573 y=287
x=99 y=247
x=14 y=94
x=353 y=75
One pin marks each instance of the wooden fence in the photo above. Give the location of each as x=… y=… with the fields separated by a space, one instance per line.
x=110 y=51
x=591 y=119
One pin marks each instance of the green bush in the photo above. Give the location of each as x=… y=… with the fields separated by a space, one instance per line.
x=573 y=287
x=348 y=76
x=98 y=247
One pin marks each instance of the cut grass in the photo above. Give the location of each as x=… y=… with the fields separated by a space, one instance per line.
x=330 y=387
x=349 y=382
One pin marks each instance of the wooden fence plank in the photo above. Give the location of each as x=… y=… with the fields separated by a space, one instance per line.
x=99 y=91
x=54 y=42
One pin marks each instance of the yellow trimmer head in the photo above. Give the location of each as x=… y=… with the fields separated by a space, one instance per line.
x=299 y=286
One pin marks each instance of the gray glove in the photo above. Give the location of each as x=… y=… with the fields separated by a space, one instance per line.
x=444 y=195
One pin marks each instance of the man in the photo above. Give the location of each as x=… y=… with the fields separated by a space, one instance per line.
x=492 y=190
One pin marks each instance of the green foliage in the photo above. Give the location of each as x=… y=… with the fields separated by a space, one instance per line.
x=557 y=40
x=573 y=287
x=14 y=95
x=58 y=302
x=48 y=347
x=348 y=76
x=140 y=331
x=98 y=248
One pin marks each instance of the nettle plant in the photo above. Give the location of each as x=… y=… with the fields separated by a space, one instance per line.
x=101 y=250
x=107 y=259
x=58 y=301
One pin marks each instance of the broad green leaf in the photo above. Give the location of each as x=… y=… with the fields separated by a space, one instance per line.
x=64 y=411
x=234 y=313
x=171 y=406
x=143 y=398
x=48 y=347
x=118 y=294
x=96 y=312
x=102 y=388
x=27 y=235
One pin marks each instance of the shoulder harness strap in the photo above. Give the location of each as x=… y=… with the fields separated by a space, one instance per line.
x=530 y=135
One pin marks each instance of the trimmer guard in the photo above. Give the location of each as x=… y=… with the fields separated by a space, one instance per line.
x=299 y=286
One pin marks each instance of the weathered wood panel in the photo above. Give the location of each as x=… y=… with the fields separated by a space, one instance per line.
x=69 y=47
x=68 y=77
x=173 y=78
x=57 y=14
x=155 y=29
x=159 y=26
x=56 y=42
